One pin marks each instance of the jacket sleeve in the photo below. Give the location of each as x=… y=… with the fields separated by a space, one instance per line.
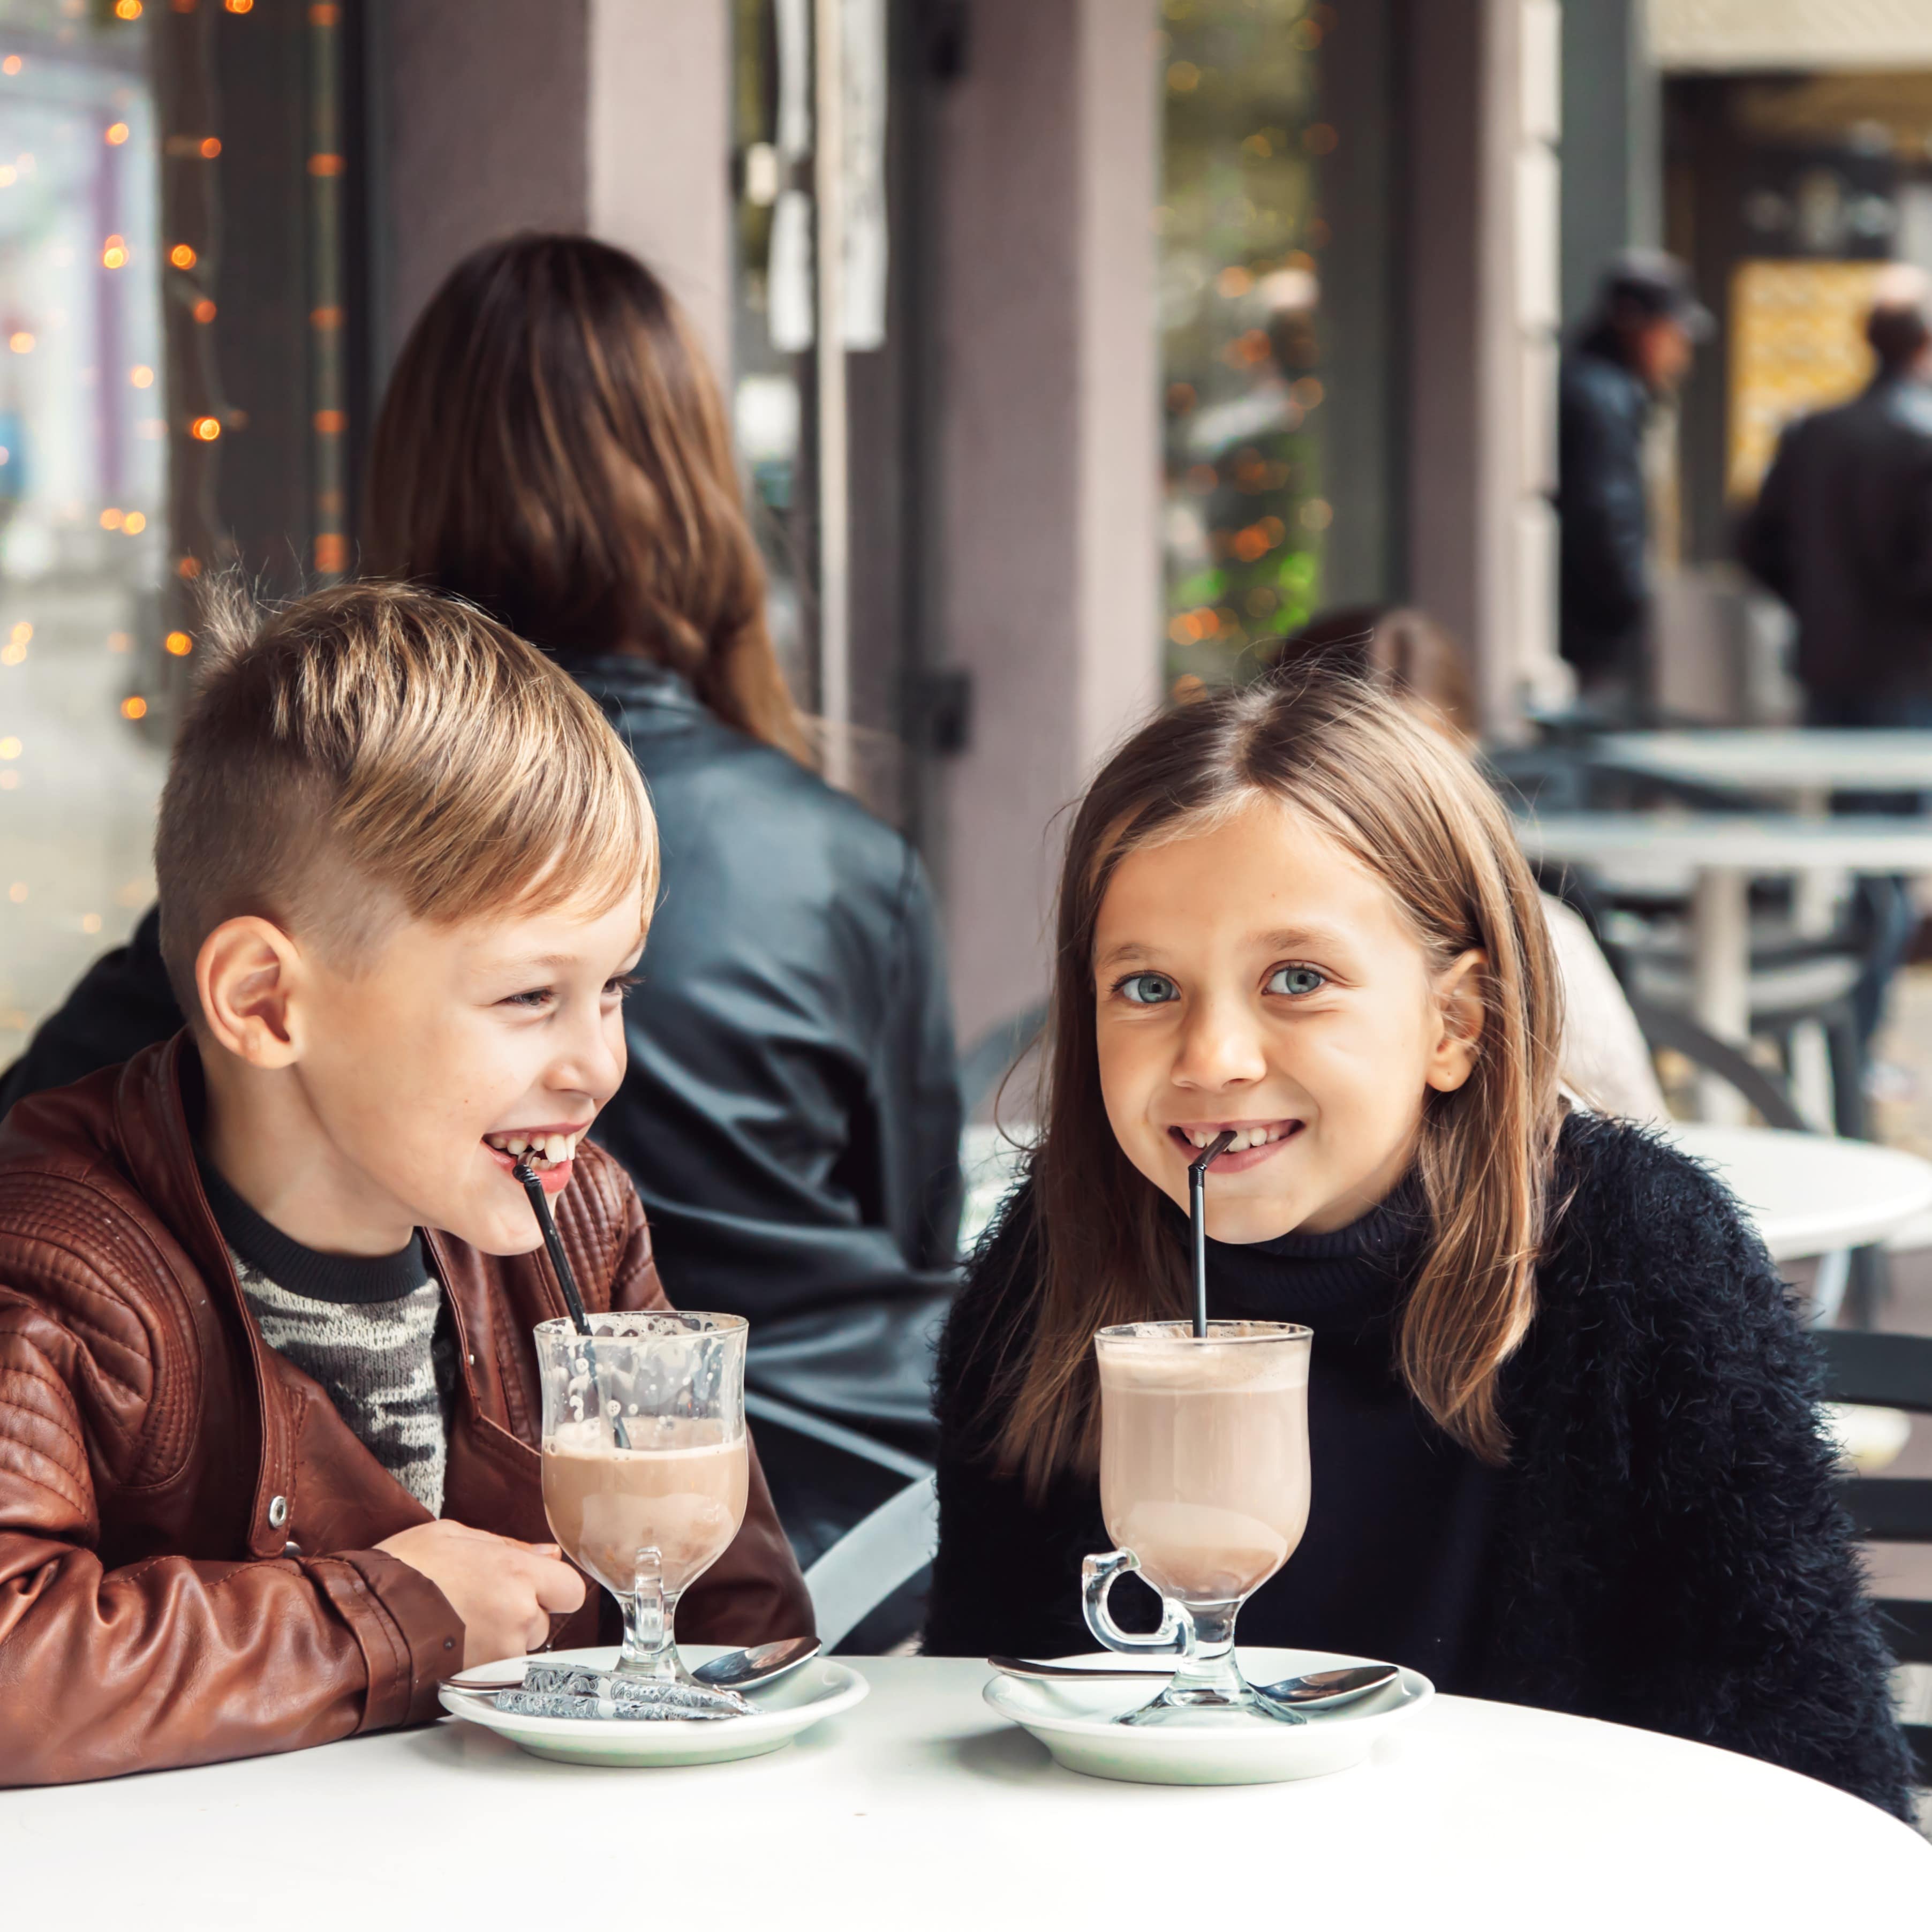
x=755 y=1592
x=1005 y=1577
x=170 y=1660
x=1604 y=517
x=1748 y=1623
x=1766 y=538
x=122 y=1003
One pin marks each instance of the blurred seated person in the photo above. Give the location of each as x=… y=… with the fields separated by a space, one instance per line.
x=1631 y=352
x=1605 y=1064
x=554 y=448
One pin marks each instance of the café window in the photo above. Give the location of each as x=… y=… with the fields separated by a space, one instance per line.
x=1276 y=321
x=179 y=367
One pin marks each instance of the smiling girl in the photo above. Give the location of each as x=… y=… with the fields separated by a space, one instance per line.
x=1561 y=1414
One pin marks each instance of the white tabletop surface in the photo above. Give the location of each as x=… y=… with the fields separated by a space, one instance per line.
x=1782 y=760
x=1810 y=1194
x=1748 y=842
x=921 y=1809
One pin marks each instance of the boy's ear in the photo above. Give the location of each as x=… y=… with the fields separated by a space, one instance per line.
x=1458 y=1005
x=246 y=973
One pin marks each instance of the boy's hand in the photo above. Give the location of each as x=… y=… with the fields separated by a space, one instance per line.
x=503 y=1590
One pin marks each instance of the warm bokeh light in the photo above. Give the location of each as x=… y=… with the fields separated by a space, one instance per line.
x=241 y=6
x=9 y=174
x=114 y=254
x=204 y=310
x=210 y=149
x=324 y=318
x=182 y=255
x=17 y=891
x=325 y=164
x=21 y=341
x=188 y=569
x=134 y=523
x=178 y=643
x=332 y=553
x=22 y=633
x=12 y=63
x=117 y=133
x=110 y=519
x=204 y=429
x=127 y=9
x=330 y=422
x=10 y=748
x=11 y=654
x=118 y=642
x=141 y=376
x=90 y=922
x=133 y=707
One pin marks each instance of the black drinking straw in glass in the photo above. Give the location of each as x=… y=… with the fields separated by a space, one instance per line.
x=560 y=1265
x=1197 y=1213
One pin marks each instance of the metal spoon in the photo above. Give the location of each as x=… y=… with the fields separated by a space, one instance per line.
x=734 y=1671
x=1319 y=1690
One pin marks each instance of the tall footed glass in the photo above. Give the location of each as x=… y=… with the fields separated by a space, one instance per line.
x=645 y=1465
x=1204 y=1485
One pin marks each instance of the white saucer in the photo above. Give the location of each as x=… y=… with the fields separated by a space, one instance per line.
x=1074 y=1722
x=784 y=1708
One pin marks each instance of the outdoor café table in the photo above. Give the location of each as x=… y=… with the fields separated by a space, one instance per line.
x=1721 y=853
x=1812 y=1194
x=1795 y=762
x=920 y=1809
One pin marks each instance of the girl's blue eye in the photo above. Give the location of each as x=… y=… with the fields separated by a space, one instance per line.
x=1147 y=989
x=1296 y=980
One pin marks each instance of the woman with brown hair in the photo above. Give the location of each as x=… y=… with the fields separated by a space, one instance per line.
x=553 y=447
x=1562 y=1416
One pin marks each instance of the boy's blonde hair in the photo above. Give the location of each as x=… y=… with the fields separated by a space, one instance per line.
x=378 y=750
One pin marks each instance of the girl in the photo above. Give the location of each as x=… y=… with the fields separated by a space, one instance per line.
x=1562 y=1412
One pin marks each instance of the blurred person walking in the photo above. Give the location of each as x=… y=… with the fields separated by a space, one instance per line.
x=1842 y=533
x=1633 y=352
x=553 y=447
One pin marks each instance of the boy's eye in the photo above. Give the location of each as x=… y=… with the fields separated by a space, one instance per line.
x=1294 y=979
x=1147 y=989
x=616 y=987
x=537 y=996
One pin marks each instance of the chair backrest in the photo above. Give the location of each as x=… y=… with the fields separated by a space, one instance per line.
x=864 y=1567
x=1890 y=1372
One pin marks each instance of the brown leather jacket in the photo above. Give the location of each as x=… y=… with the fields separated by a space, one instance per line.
x=188 y=1567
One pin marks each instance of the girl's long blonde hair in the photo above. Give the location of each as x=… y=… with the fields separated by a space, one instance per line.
x=1405 y=803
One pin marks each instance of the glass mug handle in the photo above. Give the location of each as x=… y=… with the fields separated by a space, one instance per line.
x=1097 y=1578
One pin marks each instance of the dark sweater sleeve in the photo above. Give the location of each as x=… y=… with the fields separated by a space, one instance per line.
x=1006 y=1575
x=123 y=1002
x=1748 y=1624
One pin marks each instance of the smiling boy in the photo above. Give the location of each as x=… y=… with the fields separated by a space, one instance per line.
x=268 y=1407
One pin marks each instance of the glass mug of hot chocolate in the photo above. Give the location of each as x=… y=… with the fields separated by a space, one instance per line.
x=646 y=1465
x=1204 y=1485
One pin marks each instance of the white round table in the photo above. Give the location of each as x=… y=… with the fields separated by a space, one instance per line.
x=921 y=1809
x=1799 y=761
x=1810 y=1194
x=1721 y=853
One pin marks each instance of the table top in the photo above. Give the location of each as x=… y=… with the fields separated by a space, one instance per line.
x=921 y=1808
x=1775 y=761
x=1810 y=1194
x=1746 y=842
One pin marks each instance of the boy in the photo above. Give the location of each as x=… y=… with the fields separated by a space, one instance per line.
x=268 y=1408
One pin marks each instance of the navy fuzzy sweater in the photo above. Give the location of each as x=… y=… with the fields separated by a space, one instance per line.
x=1670 y=1551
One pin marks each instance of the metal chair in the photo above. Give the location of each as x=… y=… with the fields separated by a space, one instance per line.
x=1890 y=1372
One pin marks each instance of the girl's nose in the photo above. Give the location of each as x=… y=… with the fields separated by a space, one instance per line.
x=1219 y=1047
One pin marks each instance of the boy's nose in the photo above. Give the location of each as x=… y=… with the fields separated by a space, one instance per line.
x=593 y=1064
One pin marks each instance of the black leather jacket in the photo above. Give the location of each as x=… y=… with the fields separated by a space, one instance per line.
x=1842 y=531
x=1602 y=407
x=790 y=1113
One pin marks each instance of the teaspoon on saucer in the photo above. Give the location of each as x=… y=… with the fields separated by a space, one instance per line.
x=734 y=1671
x=1319 y=1689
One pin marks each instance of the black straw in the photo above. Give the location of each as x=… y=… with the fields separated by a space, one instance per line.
x=1197 y=1213
x=560 y=1264
x=559 y=1260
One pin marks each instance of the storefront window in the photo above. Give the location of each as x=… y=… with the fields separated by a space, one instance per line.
x=1275 y=323
x=176 y=384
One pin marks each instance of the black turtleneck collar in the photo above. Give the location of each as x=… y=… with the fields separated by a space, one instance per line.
x=1352 y=1277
